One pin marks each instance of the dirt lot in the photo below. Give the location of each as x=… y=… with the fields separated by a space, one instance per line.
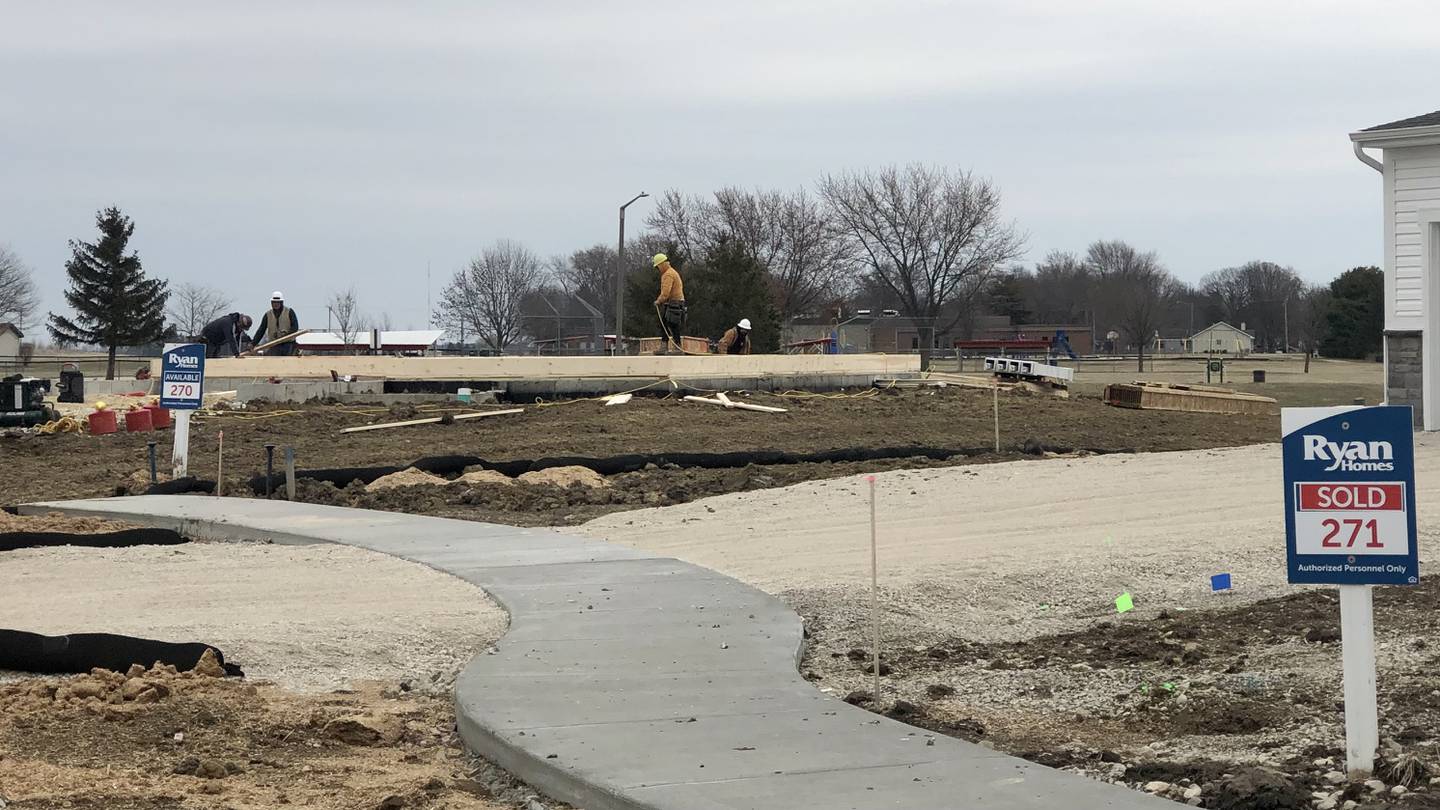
x=165 y=741
x=70 y=466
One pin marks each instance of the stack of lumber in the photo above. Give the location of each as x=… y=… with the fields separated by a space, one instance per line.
x=937 y=379
x=1156 y=396
x=689 y=345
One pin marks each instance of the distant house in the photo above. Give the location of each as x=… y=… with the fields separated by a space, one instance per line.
x=1222 y=338
x=409 y=341
x=1409 y=164
x=10 y=336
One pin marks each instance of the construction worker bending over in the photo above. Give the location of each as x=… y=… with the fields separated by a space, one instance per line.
x=671 y=303
x=736 y=339
x=277 y=322
x=223 y=335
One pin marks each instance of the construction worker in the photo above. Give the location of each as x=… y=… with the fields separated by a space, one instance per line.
x=736 y=339
x=671 y=302
x=223 y=335
x=277 y=322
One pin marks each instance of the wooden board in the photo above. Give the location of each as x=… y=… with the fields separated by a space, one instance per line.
x=318 y=367
x=1194 y=399
x=690 y=345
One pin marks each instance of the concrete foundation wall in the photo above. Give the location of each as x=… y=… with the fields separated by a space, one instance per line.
x=1404 y=373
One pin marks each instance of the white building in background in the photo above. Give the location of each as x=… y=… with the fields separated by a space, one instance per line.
x=1409 y=165
x=10 y=336
x=1222 y=338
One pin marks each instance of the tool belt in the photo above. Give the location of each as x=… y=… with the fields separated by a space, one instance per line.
x=674 y=308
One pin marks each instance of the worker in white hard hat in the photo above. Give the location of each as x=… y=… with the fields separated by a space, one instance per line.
x=277 y=322
x=670 y=304
x=736 y=339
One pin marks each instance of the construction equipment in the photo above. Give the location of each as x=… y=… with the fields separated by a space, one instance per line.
x=22 y=402
x=71 y=387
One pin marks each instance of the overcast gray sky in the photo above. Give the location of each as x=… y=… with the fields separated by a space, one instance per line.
x=306 y=146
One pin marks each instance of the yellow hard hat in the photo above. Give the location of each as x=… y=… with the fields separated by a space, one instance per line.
x=100 y=406
x=660 y=258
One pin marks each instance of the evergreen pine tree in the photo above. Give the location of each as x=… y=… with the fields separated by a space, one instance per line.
x=115 y=304
x=1356 y=316
x=730 y=285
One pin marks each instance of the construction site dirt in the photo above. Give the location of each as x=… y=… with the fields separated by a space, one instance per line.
x=45 y=467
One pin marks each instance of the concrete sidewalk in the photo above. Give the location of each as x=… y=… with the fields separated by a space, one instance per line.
x=628 y=680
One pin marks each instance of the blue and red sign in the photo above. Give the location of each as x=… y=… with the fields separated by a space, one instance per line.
x=182 y=376
x=1350 y=495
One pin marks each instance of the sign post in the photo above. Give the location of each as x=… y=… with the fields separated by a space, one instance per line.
x=1350 y=521
x=182 y=383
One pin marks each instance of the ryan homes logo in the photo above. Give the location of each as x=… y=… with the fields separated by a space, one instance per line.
x=1350 y=456
x=191 y=361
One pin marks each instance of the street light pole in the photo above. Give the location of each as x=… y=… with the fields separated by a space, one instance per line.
x=620 y=275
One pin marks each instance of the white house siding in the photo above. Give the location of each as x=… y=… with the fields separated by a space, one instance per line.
x=1412 y=183
x=9 y=344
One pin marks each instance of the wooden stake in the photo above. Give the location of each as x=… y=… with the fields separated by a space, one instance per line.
x=220 y=464
x=290 y=473
x=997 y=418
x=874 y=595
x=430 y=420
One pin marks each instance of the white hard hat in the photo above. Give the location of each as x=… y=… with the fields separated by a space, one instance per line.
x=744 y=323
x=277 y=296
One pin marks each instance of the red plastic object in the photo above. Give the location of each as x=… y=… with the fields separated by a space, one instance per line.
x=102 y=422
x=159 y=417
x=137 y=420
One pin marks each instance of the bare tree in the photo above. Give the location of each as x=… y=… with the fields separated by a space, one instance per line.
x=486 y=296
x=1137 y=287
x=342 y=307
x=1259 y=295
x=1060 y=289
x=18 y=297
x=1313 y=319
x=932 y=236
x=192 y=306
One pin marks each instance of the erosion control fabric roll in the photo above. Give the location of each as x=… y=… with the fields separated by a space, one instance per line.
x=125 y=538
x=82 y=652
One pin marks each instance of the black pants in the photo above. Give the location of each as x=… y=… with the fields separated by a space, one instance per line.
x=672 y=318
x=283 y=350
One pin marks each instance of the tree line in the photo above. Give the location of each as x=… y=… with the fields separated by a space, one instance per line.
x=931 y=243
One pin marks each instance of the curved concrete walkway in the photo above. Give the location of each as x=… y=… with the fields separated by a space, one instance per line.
x=633 y=681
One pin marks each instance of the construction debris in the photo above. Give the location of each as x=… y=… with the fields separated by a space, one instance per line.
x=431 y=420
x=722 y=400
x=1157 y=396
x=618 y=399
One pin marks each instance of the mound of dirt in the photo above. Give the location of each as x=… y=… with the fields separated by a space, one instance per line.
x=482 y=476
x=405 y=478
x=566 y=477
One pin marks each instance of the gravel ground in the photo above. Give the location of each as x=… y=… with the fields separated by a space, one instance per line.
x=997 y=588
x=310 y=618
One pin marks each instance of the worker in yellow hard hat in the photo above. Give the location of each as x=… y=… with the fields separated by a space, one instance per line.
x=671 y=303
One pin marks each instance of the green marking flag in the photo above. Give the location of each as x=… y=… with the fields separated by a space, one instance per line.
x=1124 y=603
x=1167 y=686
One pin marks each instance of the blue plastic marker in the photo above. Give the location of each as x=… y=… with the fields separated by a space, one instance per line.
x=1220 y=582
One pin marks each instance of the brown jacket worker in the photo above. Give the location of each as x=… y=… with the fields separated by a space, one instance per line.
x=671 y=302
x=277 y=322
x=736 y=339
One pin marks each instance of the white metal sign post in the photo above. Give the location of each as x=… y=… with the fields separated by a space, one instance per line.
x=1350 y=521
x=182 y=383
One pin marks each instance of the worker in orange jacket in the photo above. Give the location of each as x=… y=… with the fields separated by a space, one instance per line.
x=736 y=339
x=671 y=302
